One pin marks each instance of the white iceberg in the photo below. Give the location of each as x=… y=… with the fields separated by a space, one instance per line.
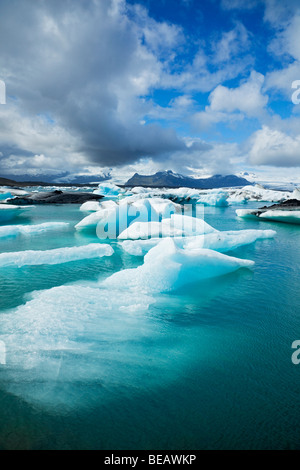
x=296 y=194
x=113 y=218
x=10 y=212
x=15 y=230
x=288 y=217
x=90 y=206
x=5 y=195
x=220 y=241
x=167 y=267
x=56 y=256
x=257 y=193
x=217 y=199
x=246 y=213
x=108 y=190
x=176 y=226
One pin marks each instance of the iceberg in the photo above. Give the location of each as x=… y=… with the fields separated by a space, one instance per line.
x=258 y=193
x=221 y=241
x=56 y=256
x=167 y=267
x=66 y=339
x=9 y=212
x=90 y=206
x=113 y=218
x=4 y=196
x=176 y=226
x=217 y=199
x=246 y=213
x=296 y=194
x=108 y=190
x=285 y=216
x=15 y=230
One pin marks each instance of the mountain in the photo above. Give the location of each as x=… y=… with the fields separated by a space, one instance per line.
x=23 y=184
x=168 y=179
x=7 y=182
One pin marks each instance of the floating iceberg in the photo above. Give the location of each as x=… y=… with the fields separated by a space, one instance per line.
x=90 y=206
x=176 y=226
x=246 y=213
x=57 y=256
x=15 y=230
x=220 y=241
x=288 y=217
x=218 y=199
x=9 y=212
x=257 y=193
x=167 y=267
x=108 y=190
x=113 y=218
x=4 y=196
x=296 y=194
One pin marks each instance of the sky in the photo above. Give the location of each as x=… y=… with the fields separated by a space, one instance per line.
x=114 y=87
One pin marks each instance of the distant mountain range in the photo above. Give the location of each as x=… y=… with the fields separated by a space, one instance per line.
x=22 y=184
x=168 y=179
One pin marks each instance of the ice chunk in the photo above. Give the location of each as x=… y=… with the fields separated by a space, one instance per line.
x=218 y=199
x=57 y=256
x=258 y=193
x=288 y=217
x=15 y=230
x=9 y=212
x=296 y=194
x=113 y=218
x=167 y=267
x=176 y=226
x=140 y=247
x=4 y=195
x=246 y=213
x=220 y=241
x=70 y=338
x=90 y=206
x=108 y=189
x=92 y=220
x=227 y=241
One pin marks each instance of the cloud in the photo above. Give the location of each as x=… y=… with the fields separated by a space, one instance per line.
x=273 y=147
x=247 y=98
x=86 y=67
x=234 y=104
x=231 y=44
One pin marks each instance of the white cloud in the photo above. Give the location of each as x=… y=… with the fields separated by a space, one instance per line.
x=231 y=44
x=273 y=147
x=234 y=104
x=247 y=98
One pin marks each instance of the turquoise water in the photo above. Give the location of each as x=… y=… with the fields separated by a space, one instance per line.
x=206 y=367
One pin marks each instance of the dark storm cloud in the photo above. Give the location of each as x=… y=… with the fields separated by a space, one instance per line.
x=83 y=65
